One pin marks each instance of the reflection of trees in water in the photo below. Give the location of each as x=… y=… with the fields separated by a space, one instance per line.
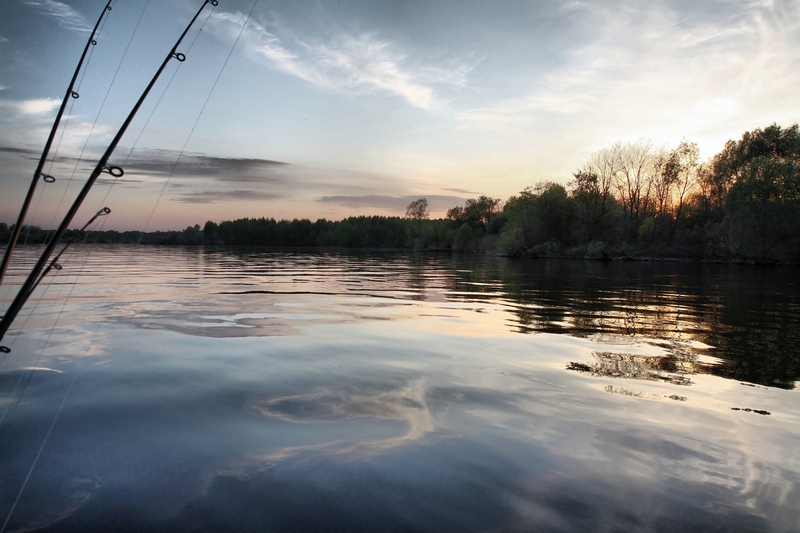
x=749 y=315
x=668 y=369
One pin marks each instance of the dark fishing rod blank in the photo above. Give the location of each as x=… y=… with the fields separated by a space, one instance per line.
x=71 y=93
x=102 y=166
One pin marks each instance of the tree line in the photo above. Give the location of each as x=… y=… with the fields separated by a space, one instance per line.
x=636 y=199
x=629 y=199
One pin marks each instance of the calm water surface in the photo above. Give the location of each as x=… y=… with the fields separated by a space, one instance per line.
x=171 y=389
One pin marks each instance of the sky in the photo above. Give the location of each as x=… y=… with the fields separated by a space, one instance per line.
x=333 y=108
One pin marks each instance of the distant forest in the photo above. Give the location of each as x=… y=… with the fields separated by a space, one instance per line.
x=628 y=200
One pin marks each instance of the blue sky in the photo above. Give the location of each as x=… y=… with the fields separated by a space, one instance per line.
x=337 y=108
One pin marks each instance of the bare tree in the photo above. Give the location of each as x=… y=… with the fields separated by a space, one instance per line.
x=592 y=186
x=636 y=167
x=604 y=164
x=681 y=170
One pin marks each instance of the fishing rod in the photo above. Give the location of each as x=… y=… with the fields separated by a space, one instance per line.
x=102 y=166
x=71 y=93
x=54 y=264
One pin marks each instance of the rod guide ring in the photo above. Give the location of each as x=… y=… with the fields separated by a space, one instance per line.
x=5 y=349
x=105 y=210
x=94 y=42
x=48 y=178
x=114 y=171
x=180 y=57
x=214 y=3
x=75 y=95
x=57 y=266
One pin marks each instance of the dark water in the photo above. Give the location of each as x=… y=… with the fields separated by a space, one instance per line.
x=170 y=389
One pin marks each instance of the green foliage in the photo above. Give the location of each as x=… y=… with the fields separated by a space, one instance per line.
x=418 y=209
x=463 y=239
x=753 y=189
x=476 y=212
x=628 y=199
x=596 y=211
x=539 y=214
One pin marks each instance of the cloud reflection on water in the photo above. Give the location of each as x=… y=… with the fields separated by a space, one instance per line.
x=244 y=389
x=407 y=405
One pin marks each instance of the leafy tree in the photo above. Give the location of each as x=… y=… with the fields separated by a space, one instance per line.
x=751 y=190
x=210 y=232
x=539 y=214
x=595 y=206
x=418 y=210
x=476 y=212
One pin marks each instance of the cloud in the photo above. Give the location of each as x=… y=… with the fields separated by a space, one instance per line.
x=392 y=203
x=353 y=63
x=681 y=69
x=225 y=169
x=15 y=150
x=366 y=61
x=65 y=15
x=407 y=405
x=462 y=191
x=38 y=107
x=3 y=39
x=214 y=197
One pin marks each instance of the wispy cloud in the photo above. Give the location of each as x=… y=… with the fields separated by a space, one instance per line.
x=392 y=203
x=3 y=39
x=659 y=65
x=214 y=197
x=223 y=169
x=64 y=14
x=366 y=61
x=361 y=63
x=462 y=191
x=38 y=107
x=15 y=150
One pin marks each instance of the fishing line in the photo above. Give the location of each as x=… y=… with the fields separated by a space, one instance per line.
x=101 y=166
x=13 y=402
x=69 y=388
x=102 y=26
x=211 y=92
x=102 y=106
x=77 y=89
x=69 y=94
x=52 y=424
x=52 y=329
x=58 y=412
x=36 y=459
x=66 y=122
x=34 y=278
x=153 y=111
x=40 y=194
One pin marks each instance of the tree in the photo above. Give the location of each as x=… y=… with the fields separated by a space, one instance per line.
x=418 y=210
x=540 y=214
x=637 y=165
x=762 y=204
x=603 y=166
x=476 y=212
x=594 y=203
x=678 y=178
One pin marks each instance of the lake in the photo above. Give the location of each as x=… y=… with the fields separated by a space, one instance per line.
x=222 y=389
